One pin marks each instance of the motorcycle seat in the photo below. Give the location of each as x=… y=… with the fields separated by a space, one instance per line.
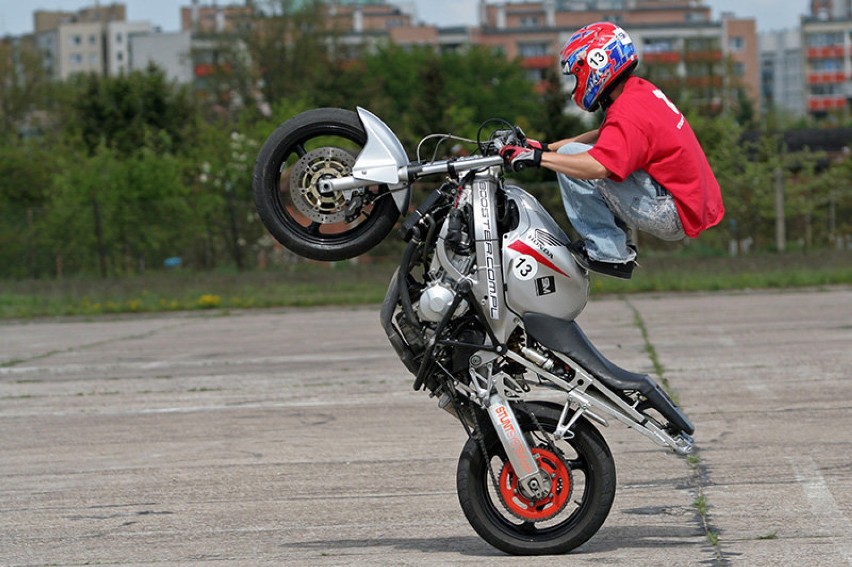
x=566 y=337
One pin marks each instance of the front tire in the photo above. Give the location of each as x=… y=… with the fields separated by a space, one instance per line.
x=315 y=145
x=522 y=530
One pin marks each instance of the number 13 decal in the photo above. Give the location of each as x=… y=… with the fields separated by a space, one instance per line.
x=525 y=268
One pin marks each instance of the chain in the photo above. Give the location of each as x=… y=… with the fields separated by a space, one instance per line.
x=540 y=429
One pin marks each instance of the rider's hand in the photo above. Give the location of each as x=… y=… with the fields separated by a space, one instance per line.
x=536 y=145
x=517 y=158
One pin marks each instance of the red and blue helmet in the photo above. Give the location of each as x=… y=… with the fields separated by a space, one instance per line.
x=598 y=56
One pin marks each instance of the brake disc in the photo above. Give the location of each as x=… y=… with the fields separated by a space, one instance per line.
x=313 y=167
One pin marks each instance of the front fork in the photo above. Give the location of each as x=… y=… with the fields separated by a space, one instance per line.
x=534 y=483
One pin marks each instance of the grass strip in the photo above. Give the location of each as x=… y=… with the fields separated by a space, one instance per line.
x=699 y=471
x=345 y=283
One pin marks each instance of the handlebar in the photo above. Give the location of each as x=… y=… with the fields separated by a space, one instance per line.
x=414 y=171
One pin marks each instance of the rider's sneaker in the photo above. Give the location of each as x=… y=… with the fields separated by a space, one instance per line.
x=623 y=270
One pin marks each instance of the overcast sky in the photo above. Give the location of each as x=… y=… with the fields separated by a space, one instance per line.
x=16 y=15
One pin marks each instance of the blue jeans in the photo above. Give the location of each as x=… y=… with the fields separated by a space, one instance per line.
x=602 y=211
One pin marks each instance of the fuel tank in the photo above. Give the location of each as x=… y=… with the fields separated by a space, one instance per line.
x=540 y=273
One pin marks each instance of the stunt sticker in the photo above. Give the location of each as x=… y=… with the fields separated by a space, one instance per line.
x=525 y=268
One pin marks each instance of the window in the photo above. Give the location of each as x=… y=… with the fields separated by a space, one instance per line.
x=824 y=39
x=532 y=49
x=827 y=65
x=659 y=45
x=530 y=22
x=535 y=75
x=76 y=59
x=702 y=44
x=736 y=44
x=76 y=40
x=93 y=39
x=827 y=90
x=118 y=37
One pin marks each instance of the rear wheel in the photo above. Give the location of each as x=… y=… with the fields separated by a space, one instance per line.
x=310 y=147
x=582 y=472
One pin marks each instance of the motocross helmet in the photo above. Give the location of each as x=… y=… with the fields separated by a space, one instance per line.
x=598 y=55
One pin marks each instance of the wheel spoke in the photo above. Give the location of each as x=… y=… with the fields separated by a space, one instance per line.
x=314 y=228
x=300 y=150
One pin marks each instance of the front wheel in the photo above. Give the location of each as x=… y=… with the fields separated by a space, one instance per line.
x=583 y=488
x=306 y=149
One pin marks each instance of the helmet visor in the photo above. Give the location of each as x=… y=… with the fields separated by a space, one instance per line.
x=571 y=83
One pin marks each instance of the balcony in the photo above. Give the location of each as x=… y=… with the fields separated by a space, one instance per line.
x=704 y=56
x=662 y=58
x=823 y=103
x=826 y=78
x=539 y=62
x=827 y=52
x=707 y=81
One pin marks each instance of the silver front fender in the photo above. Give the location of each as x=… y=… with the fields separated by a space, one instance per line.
x=382 y=158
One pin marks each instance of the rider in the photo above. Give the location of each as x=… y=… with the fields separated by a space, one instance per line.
x=642 y=168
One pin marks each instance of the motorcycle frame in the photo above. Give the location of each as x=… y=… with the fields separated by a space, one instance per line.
x=581 y=396
x=383 y=160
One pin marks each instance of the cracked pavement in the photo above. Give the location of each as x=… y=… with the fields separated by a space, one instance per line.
x=293 y=436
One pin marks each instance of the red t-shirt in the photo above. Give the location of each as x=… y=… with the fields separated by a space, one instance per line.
x=644 y=130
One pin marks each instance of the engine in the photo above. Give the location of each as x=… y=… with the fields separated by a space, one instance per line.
x=436 y=300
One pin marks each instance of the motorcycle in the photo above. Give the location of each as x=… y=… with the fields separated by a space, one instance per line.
x=481 y=311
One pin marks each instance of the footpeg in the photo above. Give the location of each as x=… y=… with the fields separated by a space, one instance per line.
x=684 y=444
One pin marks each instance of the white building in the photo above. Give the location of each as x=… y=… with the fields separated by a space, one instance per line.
x=118 y=36
x=171 y=52
x=80 y=49
x=782 y=72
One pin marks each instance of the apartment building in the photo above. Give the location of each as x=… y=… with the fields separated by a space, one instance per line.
x=680 y=46
x=679 y=43
x=170 y=51
x=215 y=19
x=781 y=72
x=118 y=38
x=827 y=44
x=75 y=42
x=100 y=40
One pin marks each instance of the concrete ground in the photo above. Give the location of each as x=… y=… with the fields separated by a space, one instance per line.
x=294 y=437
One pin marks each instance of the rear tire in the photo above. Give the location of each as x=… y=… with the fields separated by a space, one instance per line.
x=306 y=222
x=592 y=469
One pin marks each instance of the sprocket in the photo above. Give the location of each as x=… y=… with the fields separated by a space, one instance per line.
x=543 y=509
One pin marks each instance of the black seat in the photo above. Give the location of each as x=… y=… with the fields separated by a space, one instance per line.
x=568 y=338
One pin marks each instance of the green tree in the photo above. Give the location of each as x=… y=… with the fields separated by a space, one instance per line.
x=26 y=90
x=291 y=45
x=111 y=214
x=138 y=109
x=26 y=172
x=220 y=176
